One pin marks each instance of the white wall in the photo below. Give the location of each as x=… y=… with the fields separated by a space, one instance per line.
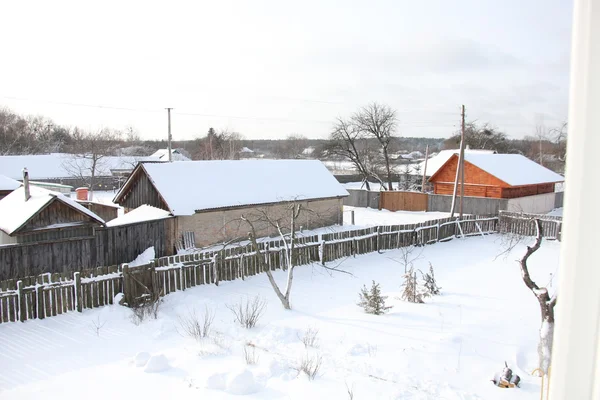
x=538 y=204
x=5 y=239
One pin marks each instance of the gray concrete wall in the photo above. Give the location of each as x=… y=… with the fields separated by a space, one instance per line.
x=559 y=199
x=538 y=204
x=362 y=198
x=471 y=205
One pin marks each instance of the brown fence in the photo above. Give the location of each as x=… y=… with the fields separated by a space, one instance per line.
x=53 y=294
x=408 y=201
x=523 y=224
x=108 y=246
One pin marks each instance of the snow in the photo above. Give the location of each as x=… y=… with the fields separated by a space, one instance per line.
x=56 y=165
x=513 y=169
x=448 y=348
x=15 y=211
x=7 y=183
x=364 y=217
x=163 y=155
x=140 y=214
x=141 y=358
x=557 y=212
x=144 y=258
x=435 y=162
x=157 y=363
x=190 y=186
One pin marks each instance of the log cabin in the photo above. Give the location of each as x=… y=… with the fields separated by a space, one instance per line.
x=209 y=198
x=501 y=176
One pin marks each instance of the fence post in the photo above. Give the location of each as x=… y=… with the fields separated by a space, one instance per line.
x=78 y=299
x=126 y=284
x=39 y=297
x=378 y=238
x=322 y=252
x=352 y=217
x=21 y=297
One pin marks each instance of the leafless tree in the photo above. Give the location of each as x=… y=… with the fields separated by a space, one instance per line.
x=218 y=145
x=546 y=302
x=88 y=154
x=378 y=121
x=291 y=147
x=348 y=142
x=288 y=236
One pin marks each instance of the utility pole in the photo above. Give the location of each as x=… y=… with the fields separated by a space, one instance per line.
x=461 y=155
x=462 y=161
x=169 y=139
x=425 y=169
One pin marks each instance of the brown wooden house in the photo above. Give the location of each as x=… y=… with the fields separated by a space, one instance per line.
x=502 y=176
x=32 y=214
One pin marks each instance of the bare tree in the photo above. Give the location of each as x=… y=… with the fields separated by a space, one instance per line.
x=288 y=237
x=218 y=145
x=546 y=302
x=378 y=121
x=89 y=151
x=291 y=147
x=348 y=142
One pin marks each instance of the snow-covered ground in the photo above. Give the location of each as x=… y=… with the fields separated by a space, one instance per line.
x=448 y=348
x=557 y=212
x=372 y=217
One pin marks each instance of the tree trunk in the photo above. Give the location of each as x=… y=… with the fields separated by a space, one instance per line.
x=387 y=167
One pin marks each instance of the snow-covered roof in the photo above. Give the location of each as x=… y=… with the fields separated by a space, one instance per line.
x=15 y=211
x=7 y=183
x=246 y=150
x=434 y=163
x=308 y=151
x=61 y=165
x=140 y=214
x=514 y=169
x=163 y=155
x=192 y=186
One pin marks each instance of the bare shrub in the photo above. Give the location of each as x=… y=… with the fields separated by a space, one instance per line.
x=97 y=325
x=250 y=355
x=310 y=365
x=371 y=350
x=196 y=326
x=411 y=289
x=309 y=339
x=350 y=391
x=248 y=312
x=147 y=307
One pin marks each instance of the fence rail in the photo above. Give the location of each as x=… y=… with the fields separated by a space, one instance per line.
x=522 y=224
x=53 y=294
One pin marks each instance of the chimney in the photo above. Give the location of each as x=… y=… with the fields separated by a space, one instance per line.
x=26 y=184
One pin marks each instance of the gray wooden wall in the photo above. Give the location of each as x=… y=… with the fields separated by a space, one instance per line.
x=108 y=246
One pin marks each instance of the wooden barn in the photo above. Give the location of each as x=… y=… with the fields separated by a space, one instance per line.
x=32 y=214
x=502 y=176
x=208 y=198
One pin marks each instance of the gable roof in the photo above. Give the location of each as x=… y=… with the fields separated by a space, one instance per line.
x=513 y=169
x=190 y=186
x=436 y=162
x=163 y=155
x=142 y=213
x=15 y=211
x=7 y=183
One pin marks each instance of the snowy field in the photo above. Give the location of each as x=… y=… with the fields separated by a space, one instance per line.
x=448 y=348
x=372 y=217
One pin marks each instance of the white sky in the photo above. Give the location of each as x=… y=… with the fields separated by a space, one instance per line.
x=271 y=68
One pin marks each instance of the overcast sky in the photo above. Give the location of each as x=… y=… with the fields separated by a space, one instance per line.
x=268 y=69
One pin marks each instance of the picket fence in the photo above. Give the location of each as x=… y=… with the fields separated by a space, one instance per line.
x=49 y=295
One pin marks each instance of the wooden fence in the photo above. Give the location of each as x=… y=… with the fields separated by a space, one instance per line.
x=108 y=246
x=408 y=201
x=53 y=294
x=523 y=224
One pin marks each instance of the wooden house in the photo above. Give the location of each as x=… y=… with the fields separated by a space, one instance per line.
x=502 y=176
x=32 y=214
x=208 y=198
x=107 y=212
